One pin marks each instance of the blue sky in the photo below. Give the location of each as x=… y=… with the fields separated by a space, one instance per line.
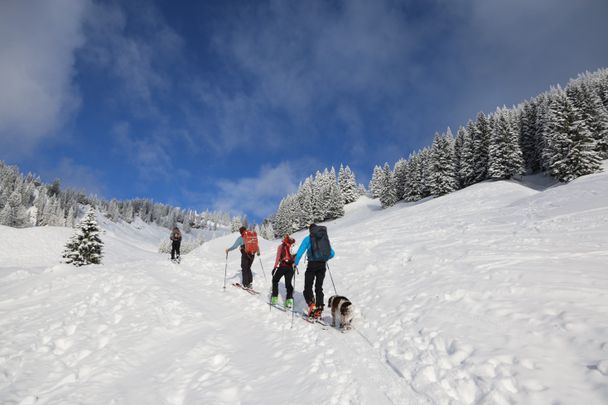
x=229 y=105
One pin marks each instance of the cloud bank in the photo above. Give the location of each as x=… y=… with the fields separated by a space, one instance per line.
x=38 y=40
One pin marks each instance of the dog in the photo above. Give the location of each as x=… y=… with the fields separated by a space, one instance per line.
x=341 y=310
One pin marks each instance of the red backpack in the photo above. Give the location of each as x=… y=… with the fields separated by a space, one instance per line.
x=250 y=240
x=286 y=256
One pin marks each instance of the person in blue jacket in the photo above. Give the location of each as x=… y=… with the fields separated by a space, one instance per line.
x=315 y=270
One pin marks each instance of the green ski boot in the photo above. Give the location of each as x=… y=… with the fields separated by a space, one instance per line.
x=274 y=300
x=289 y=303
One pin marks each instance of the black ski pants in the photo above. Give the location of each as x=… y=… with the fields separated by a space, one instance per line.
x=246 y=262
x=315 y=274
x=175 y=248
x=276 y=277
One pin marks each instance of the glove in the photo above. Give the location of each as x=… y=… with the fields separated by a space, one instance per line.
x=258 y=252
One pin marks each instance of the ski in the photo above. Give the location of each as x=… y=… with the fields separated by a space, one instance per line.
x=249 y=290
x=279 y=307
x=319 y=321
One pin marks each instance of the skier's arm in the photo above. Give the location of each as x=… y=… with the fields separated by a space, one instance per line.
x=276 y=261
x=303 y=248
x=238 y=242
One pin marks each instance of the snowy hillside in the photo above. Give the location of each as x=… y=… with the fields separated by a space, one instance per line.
x=497 y=293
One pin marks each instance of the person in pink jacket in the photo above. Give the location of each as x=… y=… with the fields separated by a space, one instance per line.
x=283 y=266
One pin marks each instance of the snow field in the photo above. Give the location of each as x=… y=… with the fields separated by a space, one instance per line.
x=494 y=294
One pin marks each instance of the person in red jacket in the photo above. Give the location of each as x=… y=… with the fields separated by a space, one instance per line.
x=283 y=266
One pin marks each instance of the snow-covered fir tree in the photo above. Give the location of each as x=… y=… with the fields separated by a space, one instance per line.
x=400 y=176
x=505 y=157
x=335 y=200
x=413 y=184
x=481 y=144
x=13 y=213
x=306 y=199
x=348 y=185
x=388 y=193
x=531 y=145
x=425 y=172
x=593 y=112
x=569 y=149
x=374 y=183
x=442 y=173
x=85 y=246
x=467 y=155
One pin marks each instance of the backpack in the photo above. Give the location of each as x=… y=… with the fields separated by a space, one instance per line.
x=286 y=255
x=320 y=249
x=250 y=241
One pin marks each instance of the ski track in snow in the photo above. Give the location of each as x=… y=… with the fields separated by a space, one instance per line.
x=496 y=294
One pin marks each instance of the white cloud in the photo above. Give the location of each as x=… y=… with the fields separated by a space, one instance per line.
x=256 y=195
x=38 y=40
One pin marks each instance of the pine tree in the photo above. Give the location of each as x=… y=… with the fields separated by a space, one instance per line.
x=505 y=157
x=458 y=149
x=320 y=204
x=400 y=175
x=593 y=112
x=530 y=144
x=570 y=148
x=348 y=185
x=543 y=130
x=413 y=184
x=307 y=202
x=85 y=246
x=425 y=172
x=388 y=195
x=481 y=143
x=442 y=174
x=467 y=155
x=374 y=183
x=13 y=214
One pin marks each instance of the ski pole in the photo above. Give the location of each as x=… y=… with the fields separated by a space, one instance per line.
x=293 y=307
x=225 y=271
x=270 y=296
x=332 y=279
x=265 y=279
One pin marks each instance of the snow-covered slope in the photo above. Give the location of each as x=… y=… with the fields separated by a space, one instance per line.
x=494 y=294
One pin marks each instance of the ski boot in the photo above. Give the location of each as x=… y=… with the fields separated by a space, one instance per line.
x=288 y=303
x=311 y=310
x=317 y=313
x=274 y=300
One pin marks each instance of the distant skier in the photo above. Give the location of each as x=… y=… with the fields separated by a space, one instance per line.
x=176 y=241
x=319 y=251
x=283 y=266
x=248 y=245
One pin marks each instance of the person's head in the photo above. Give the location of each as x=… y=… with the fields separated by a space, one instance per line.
x=311 y=227
x=288 y=239
x=175 y=229
x=242 y=229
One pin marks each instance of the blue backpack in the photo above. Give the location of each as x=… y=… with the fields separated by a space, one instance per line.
x=320 y=248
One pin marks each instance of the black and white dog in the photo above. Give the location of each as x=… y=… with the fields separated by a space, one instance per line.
x=341 y=310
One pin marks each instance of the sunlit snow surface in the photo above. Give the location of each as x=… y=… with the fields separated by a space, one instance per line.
x=494 y=294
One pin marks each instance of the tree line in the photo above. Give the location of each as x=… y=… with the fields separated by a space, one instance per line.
x=25 y=201
x=319 y=198
x=562 y=132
